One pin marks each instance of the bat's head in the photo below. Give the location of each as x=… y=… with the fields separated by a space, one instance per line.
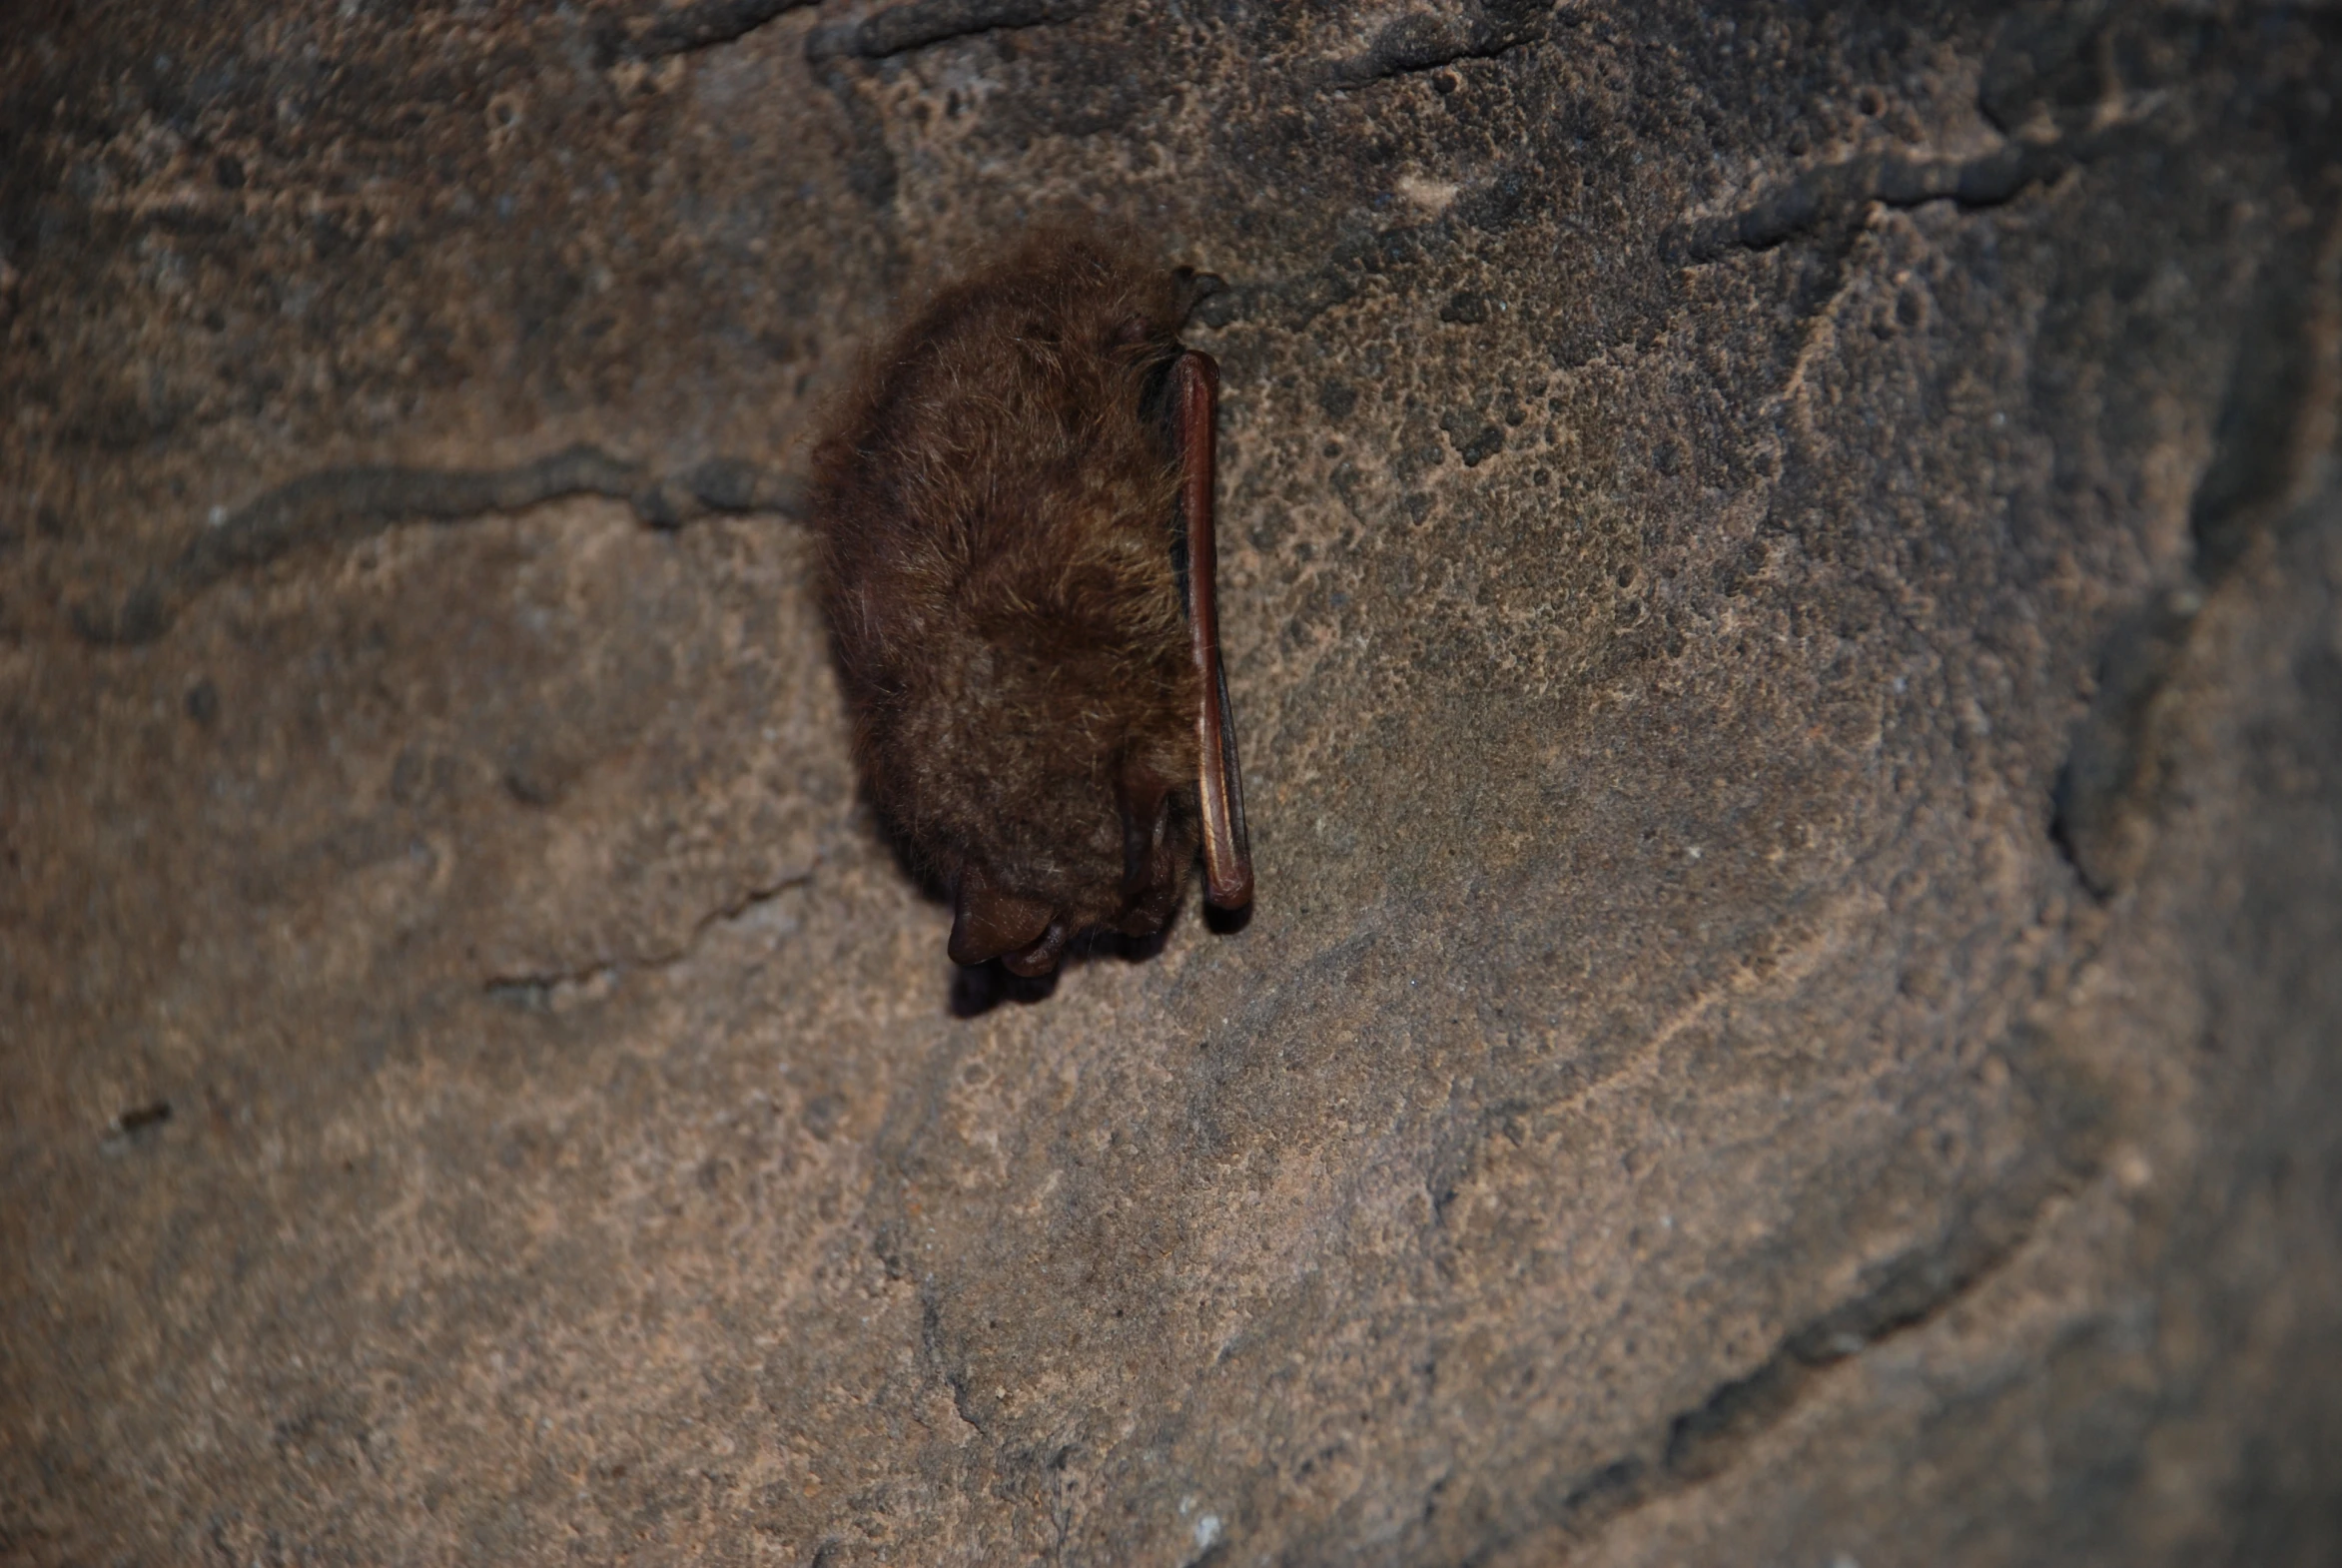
x=1000 y=509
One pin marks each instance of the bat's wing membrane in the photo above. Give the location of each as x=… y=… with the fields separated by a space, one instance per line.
x=1228 y=851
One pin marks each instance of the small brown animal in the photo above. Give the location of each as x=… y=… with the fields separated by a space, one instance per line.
x=1016 y=513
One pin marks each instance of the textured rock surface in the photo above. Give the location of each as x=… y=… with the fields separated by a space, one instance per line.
x=1784 y=590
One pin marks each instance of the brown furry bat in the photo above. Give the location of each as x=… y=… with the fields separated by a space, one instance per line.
x=1016 y=513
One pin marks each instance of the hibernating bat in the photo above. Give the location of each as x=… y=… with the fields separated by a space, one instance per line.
x=1016 y=515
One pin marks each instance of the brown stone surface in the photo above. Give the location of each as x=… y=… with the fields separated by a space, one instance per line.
x=1782 y=582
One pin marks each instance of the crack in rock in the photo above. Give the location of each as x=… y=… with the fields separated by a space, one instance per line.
x=954 y=1374
x=1833 y=194
x=682 y=29
x=1706 y=1439
x=558 y=990
x=1403 y=260
x=898 y=29
x=343 y=505
x=2277 y=428
x=1422 y=41
x=2090 y=802
x=1908 y=1291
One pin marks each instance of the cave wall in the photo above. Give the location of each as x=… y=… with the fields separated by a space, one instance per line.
x=1781 y=580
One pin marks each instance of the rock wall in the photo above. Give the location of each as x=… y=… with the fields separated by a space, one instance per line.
x=1783 y=587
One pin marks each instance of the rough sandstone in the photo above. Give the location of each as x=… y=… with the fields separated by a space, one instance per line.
x=1783 y=586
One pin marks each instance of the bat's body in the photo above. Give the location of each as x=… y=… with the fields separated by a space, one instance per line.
x=1017 y=513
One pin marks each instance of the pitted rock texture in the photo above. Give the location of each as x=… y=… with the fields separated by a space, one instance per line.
x=1782 y=579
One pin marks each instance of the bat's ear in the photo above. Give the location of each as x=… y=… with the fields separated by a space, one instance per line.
x=988 y=922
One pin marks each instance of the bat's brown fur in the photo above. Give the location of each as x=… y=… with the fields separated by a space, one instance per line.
x=998 y=506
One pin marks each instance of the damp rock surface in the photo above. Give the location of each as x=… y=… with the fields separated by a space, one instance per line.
x=1782 y=583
